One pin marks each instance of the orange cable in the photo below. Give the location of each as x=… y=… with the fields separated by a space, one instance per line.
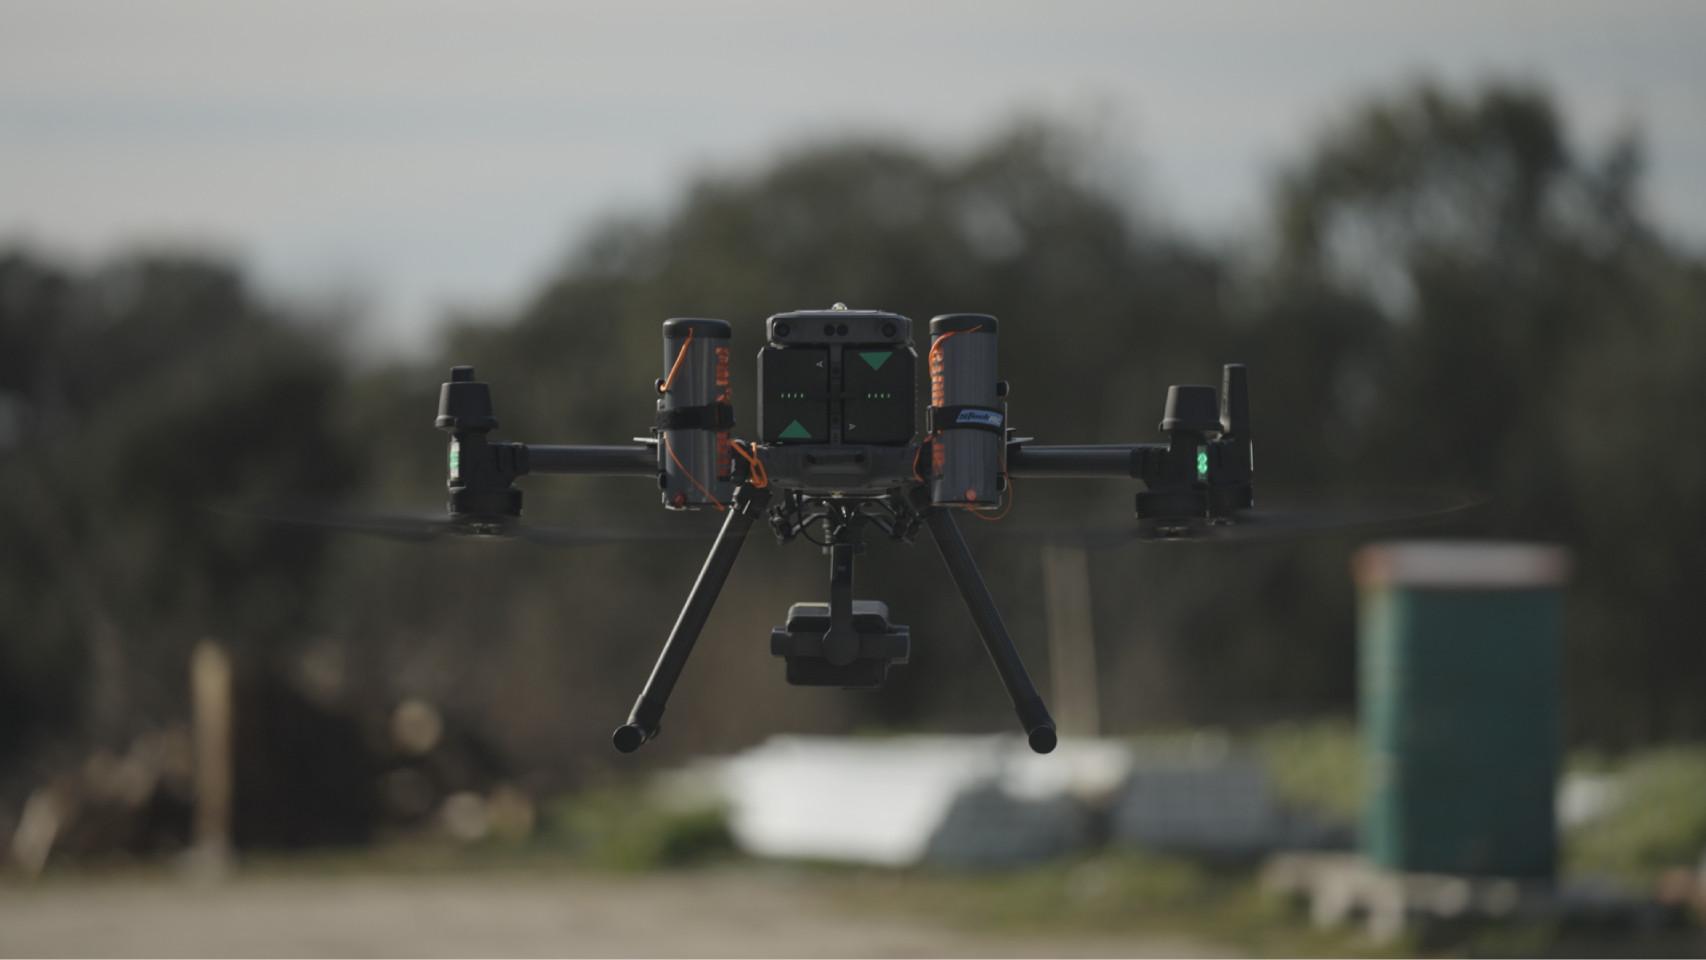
x=938 y=392
x=995 y=516
x=675 y=368
x=755 y=467
x=938 y=383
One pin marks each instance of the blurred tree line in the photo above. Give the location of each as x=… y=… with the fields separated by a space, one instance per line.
x=1448 y=292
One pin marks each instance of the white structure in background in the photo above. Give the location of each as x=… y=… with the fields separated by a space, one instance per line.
x=988 y=801
x=1198 y=795
x=896 y=801
x=1585 y=797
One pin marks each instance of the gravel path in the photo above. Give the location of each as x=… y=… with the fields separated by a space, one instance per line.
x=718 y=913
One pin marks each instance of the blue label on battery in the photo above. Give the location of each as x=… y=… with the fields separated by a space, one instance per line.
x=988 y=418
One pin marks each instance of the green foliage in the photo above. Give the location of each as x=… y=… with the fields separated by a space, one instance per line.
x=1657 y=823
x=1315 y=765
x=630 y=829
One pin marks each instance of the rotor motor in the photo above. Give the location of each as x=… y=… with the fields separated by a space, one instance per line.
x=480 y=477
x=1206 y=472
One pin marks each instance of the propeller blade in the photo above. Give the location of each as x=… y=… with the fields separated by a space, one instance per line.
x=427 y=528
x=1279 y=518
x=1323 y=516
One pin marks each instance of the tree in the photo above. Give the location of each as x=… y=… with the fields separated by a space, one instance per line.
x=1530 y=333
x=138 y=395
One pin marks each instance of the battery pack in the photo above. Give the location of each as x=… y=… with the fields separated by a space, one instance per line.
x=967 y=417
x=695 y=414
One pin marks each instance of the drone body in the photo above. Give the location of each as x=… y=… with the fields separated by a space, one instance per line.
x=838 y=451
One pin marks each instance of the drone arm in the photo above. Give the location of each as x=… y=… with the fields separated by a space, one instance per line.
x=1027 y=703
x=623 y=460
x=1084 y=460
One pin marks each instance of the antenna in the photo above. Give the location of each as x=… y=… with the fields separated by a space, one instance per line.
x=1234 y=402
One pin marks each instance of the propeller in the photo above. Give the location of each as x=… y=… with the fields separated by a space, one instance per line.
x=1280 y=517
x=428 y=528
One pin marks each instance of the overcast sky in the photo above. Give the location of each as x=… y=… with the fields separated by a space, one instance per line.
x=427 y=154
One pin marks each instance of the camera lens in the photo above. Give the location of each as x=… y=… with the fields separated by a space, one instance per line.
x=841 y=329
x=829 y=329
x=888 y=329
x=782 y=330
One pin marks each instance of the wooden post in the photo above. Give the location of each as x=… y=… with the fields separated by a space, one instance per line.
x=1071 y=640
x=210 y=690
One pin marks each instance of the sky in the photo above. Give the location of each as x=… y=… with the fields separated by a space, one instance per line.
x=416 y=156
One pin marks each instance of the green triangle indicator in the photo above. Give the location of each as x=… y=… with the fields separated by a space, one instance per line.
x=795 y=431
x=876 y=358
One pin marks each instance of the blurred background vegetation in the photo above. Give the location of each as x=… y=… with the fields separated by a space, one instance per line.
x=1450 y=290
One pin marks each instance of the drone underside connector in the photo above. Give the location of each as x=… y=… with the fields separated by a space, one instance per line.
x=845 y=642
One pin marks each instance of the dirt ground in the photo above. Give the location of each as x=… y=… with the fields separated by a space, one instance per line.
x=729 y=912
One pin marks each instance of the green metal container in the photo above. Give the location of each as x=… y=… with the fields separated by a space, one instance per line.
x=1459 y=687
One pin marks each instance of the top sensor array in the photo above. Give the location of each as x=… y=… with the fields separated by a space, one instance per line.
x=837 y=377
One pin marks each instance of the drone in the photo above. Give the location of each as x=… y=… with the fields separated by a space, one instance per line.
x=838 y=454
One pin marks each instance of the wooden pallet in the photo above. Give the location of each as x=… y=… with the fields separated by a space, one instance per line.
x=1339 y=890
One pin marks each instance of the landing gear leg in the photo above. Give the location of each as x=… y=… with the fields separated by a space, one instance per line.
x=749 y=503
x=1033 y=715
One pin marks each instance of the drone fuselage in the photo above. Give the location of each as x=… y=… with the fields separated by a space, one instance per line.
x=839 y=450
x=837 y=403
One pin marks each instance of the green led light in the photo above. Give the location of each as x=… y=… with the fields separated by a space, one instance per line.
x=455 y=457
x=1202 y=463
